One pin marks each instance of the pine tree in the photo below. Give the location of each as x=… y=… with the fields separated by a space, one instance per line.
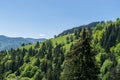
x=67 y=40
x=37 y=45
x=80 y=62
x=76 y=34
x=37 y=62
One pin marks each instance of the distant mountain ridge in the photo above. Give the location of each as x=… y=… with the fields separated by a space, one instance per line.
x=15 y=42
x=79 y=28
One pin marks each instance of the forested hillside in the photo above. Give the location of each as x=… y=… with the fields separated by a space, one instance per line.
x=86 y=54
x=88 y=26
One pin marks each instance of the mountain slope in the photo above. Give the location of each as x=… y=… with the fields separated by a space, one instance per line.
x=46 y=60
x=9 y=42
x=89 y=26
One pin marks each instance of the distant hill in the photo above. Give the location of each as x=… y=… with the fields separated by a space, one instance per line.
x=79 y=28
x=10 y=42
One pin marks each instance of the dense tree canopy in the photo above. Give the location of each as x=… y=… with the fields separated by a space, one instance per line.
x=76 y=54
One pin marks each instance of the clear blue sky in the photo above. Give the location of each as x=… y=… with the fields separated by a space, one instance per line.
x=46 y=18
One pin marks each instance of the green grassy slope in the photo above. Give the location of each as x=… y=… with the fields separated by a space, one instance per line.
x=29 y=67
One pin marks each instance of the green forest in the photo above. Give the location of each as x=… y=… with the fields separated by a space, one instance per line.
x=88 y=52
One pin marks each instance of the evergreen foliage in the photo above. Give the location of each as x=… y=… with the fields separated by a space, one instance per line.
x=75 y=55
x=80 y=63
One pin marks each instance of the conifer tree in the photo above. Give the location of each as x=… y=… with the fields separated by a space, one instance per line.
x=80 y=62
x=37 y=45
x=76 y=34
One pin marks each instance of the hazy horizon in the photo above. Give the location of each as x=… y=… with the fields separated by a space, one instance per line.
x=44 y=19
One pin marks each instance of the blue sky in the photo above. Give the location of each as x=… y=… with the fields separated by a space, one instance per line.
x=46 y=18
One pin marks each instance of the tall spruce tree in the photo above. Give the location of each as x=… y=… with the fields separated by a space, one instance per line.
x=80 y=63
